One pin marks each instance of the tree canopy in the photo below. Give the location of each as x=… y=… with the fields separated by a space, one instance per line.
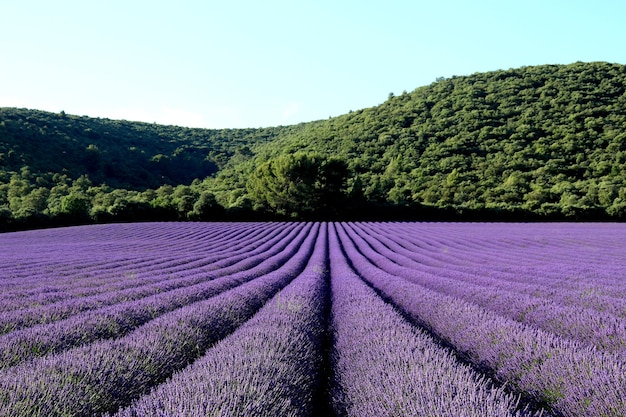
x=299 y=185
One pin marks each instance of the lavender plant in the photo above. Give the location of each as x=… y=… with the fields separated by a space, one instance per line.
x=572 y=379
x=106 y=375
x=100 y=317
x=384 y=366
x=120 y=319
x=270 y=366
x=509 y=299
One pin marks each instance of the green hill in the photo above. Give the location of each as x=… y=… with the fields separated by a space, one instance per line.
x=119 y=153
x=541 y=142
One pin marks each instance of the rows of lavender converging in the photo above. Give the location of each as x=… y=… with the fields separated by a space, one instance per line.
x=567 y=376
x=556 y=311
x=270 y=366
x=378 y=354
x=104 y=375
x=314 y=319
x=119 y=319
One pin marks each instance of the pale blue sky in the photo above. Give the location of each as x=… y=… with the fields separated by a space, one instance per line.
x=240 y=63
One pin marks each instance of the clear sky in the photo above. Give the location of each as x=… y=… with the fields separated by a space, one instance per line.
x=258 y=63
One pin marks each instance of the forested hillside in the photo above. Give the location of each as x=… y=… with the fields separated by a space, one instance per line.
x=542 y=142
x=118 y=153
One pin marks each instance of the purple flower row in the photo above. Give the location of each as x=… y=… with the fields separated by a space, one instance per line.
x=39 y=284
x=192 y=274
x=270 y=366
x=105 y=375
x=594 y=328
x=540 y=306
x=118 y=320
x=579 y=257
x=384 y=366
x=48 y=254
x=572 y=379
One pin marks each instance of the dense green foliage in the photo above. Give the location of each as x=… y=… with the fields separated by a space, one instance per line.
x=299 y=185
x=120 y=154
x=545 y=142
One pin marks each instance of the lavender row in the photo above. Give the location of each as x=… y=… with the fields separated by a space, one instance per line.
x=461 y=245
x=536 y=266
x=593 y=328
x=118 y=320
x=59 y=262
x=571 y=379
x=519 y=261
x=270 y=366
x=87 y=279
x=104 y=240
x=586 y=280
x=384 y=366
x=109 y=236
x=588 y=256
x=577 y=290
x=106 y=375
x=18 y=319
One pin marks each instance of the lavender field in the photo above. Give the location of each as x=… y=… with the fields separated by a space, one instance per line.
x=314 y=319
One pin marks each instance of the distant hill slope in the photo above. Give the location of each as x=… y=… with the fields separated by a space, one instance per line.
x=547 y=141
x=118 y=152
x=527 y=137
